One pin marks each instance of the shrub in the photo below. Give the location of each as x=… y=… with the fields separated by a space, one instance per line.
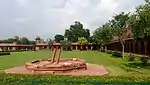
x=4 y=53
x=109 y=52
x=144 y=59
x=66 y=45
x=116 y=54
x=126 y=68
x=130 y=57
x=103 y=50
x=16 y=79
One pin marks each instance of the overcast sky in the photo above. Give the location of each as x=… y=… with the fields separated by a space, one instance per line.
x=45 y=18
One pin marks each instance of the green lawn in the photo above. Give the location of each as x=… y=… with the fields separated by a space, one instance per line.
x=112 y=64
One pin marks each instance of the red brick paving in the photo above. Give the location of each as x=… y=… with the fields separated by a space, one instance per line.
x=92 y=70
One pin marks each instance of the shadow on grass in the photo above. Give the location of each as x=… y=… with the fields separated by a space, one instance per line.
x=135 y=67
x=138 y=65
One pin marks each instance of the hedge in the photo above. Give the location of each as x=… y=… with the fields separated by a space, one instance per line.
x=16 y=79
x=109 y=51
x=116 y=54
x=4 y=53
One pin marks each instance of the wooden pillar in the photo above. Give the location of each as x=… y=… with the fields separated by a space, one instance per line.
x=0 y=48
x=125 y=49
x=61 y=47
x=8 y=48
x=13 y=48
x=58 y=56
x=81 y=47
x=129 y=47
x=139 y=47
x=71 y=47
x=53 y=56
x=91 y=47
x=37 y=48
x=76 y=47
x=86 y=47
x=133 y=46
x=47 y=47
x=51 y=47
x=145 y=47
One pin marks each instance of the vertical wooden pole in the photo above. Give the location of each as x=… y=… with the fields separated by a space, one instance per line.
x=139 y=47
x=76 y=47
x=129 y=47
x=145 y=46
x=53 y=56
x=86 y=47
x=71 y=47
x=133 y=46
x=91 y=47
x=58 y=56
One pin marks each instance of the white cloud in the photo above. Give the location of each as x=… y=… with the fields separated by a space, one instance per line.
x=22 y=3
x=20 y=20
x=47 y=17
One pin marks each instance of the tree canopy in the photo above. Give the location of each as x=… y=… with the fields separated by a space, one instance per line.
x=58 y=38
x=24 y=40
x=103 y=34
x=75 y=31
x=82 y=41
x=65 y=44
x=50 y=42
x=140 y=22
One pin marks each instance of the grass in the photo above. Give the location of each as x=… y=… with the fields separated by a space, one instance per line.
x=95 y=57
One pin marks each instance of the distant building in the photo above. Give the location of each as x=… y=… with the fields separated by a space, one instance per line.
x=42 y=45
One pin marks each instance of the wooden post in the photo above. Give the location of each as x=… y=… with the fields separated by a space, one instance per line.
x=76 y=47
x=61 y=47
x=91 y=47
x=53 y=56
x=145 y=46
x=81 y=47
x=139 y=47
x=58 y=56
x=8 y=48
x=71 y=47
x=47 y=47
x=129 y=47
x=133 y=46
x=86 y=47
x=52 y=48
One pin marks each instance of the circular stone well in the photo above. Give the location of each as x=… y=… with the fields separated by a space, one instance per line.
x=64 y=65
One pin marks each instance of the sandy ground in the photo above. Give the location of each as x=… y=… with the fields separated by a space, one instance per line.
x=92 y=70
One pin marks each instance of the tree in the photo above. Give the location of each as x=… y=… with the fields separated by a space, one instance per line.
x=87 y=34
x=50 y=42
x=103 y=34
x=16 y=39
x=106 y=34
x=9 y=40
x=140 y=24
x=24 y=40
x=65 y=44
x=147 y=1
x=82 y=41
x=58 y=38
x=97 y=36
x=119 y=23
x=75 y=31
x=32 y=42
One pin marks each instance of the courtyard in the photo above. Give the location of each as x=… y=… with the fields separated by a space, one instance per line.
x=115 y=66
